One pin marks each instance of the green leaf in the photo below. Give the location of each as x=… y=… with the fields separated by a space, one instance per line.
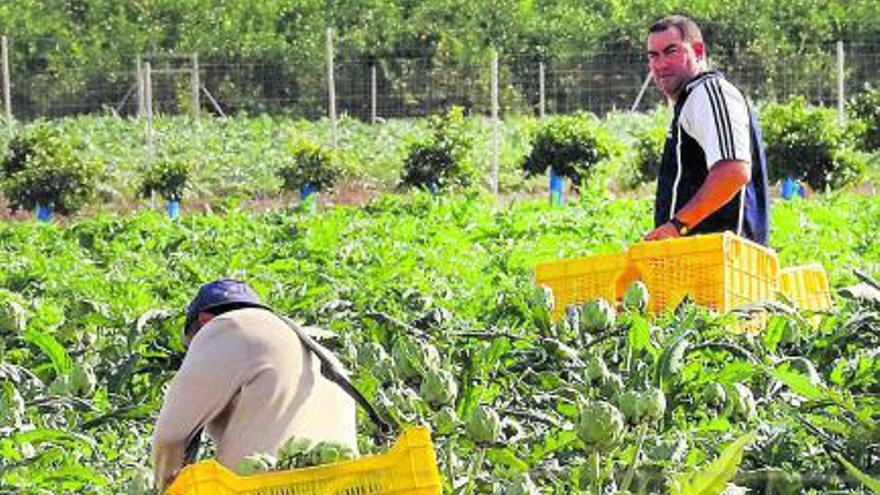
x=552 y=443
x=78 y=441
x=873 y=484
x=737 y=371
x=799 y=383
x=508 y=457
x=670 y=360
x=713 y=479
x=52 y=348
x=773 y=335
x=639 y=337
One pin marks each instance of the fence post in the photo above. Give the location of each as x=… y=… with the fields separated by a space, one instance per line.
x=542 y=102
x=196 y=85
x=141 y=94
x=495 y=122
x=7 y=84
x=841 y=115
x=331 y=85
x=148 y=109
x=374 y=93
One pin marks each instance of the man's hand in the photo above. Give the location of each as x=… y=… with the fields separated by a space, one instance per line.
x=665 y=231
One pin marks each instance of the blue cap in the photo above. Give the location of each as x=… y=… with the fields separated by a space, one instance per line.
x=221 y=293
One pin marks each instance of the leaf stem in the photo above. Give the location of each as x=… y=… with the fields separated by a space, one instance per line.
x=475 y=465
x=627 y=480
x=596 y=466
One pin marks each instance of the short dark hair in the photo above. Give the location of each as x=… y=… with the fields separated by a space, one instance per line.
x=688 y=29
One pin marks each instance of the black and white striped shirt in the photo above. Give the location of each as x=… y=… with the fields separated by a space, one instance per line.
x=712 y=123
x=715 y=114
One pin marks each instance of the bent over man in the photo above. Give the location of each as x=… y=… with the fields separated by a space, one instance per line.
x=249 y=381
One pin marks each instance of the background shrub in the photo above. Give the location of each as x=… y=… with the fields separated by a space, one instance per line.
x=865 y=108
x=571 y=145
x=807 y=143
x=42 y=168
x=443 y=159
x=310 y=163
x=168 y=177
x=648 y=151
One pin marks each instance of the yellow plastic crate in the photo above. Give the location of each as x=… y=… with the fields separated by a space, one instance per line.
x=806 y=286
x=721 y=271
x=408 y=468
x=578 y=280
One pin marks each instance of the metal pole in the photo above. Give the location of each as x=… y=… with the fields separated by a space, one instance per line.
x=141 y=94
x=196 y=86
x=495 y=122
x=148 y=107
x=331 y=85
x=214 y=103
x=542 y=102
x=374 y=93
x=841 y=115
x=7 y=85
x=641 y=92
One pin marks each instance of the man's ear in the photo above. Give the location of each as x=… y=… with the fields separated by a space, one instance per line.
x=700 y=50
x=204 y=317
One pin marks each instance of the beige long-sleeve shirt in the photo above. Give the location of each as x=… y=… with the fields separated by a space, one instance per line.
x=251 y=383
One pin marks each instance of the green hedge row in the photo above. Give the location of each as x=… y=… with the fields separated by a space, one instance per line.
x=70 y=163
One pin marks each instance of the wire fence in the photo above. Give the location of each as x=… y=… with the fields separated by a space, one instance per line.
x=370 y=88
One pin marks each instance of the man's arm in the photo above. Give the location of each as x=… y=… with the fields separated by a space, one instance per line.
x=206 y=382
x=725 y=180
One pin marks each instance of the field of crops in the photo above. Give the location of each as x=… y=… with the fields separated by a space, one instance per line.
x=90 y=314
x=241 y=155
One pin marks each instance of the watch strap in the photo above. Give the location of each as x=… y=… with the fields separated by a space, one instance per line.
x=682 y=228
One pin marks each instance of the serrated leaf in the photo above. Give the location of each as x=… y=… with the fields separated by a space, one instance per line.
x=799 y=383
x=672 y=352
x=639 y=337
x=773 y=335
x=713 y=479
x=871 y=483
x=52 y=348
x=507 y=457
x=737 y=371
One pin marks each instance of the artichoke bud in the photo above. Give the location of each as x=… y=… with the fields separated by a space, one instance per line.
x=446 y=421
x=653 y=404
x=630 y=405
x=439 y=387
x=596 y=370
x=635 y=298
x=483 y=426
x=741 y=402
x=598 y=316
x=612 y=386
x=83 y=380
x=600 y=425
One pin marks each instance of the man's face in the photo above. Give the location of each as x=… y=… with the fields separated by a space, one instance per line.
x=673 y=61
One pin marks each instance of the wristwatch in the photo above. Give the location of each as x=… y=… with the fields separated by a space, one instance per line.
x=683 y=229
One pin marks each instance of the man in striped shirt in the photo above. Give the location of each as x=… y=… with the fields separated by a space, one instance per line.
x=713 y=176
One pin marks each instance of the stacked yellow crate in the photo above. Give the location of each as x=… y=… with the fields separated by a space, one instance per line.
x=721 y=271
